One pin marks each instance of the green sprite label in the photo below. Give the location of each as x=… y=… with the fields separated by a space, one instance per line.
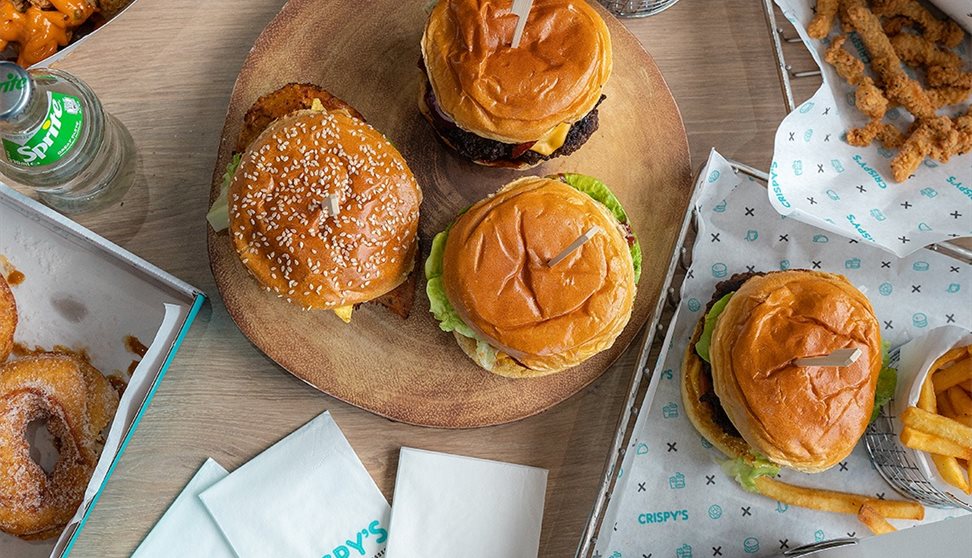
x=54 y=138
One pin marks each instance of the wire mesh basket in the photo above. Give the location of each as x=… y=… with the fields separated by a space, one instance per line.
x=897 y=463
x=637 y=8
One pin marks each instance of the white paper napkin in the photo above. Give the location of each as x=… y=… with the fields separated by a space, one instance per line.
x=819 y=179
x=186 y=529
x=672 y=497
x=308 y=496
x=449 y=505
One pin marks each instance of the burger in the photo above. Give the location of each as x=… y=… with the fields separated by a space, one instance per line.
x=511 y=107
x=744 y=391
x=321 y=208
x=508 y=280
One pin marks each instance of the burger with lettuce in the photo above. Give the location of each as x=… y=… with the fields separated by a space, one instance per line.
x=493 y=281
x=745 y=393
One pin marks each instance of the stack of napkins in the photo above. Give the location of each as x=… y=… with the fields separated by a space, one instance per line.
x=309 y=496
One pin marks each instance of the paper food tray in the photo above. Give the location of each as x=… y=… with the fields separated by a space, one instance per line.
x=605 y=531
x=84 y=292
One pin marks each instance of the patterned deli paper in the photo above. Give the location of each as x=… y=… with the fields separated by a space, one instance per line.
x=672 y=498
x=817 y=178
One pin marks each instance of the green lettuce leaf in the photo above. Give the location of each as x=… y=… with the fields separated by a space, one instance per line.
x=218 y=215
x=886 y=384
x=702 y=346
x=601 y=193
x=439 y=304
x=747 y=469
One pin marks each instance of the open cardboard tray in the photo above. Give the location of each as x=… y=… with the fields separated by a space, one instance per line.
x=84 y=292
x=648 y=360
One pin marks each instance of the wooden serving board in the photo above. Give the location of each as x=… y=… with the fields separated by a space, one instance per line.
x=409 y=370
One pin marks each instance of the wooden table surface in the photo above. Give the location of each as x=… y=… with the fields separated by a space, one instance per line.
x=166 y=68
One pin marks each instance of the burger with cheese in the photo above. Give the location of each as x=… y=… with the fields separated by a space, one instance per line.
x=514 y=107
x=748 y=389
x=321 y=208
x=520 y=296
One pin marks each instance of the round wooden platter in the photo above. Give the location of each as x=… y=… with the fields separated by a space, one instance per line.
x=409 y=370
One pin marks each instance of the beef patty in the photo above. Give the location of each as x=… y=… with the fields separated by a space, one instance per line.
x=485 y=150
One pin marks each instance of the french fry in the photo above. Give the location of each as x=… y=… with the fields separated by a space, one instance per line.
x=954 y=375
x=933 y=444
x=874 y=521
x=926 y=397
x=945 y=406
x=964 y=419
x=967 y=386
x=940 y=426
x=950 y=357
x=950 y=470
x=960 y=401
x=836 y=502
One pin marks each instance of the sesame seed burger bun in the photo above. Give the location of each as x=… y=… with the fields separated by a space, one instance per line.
x=278 y=220
x=540 y=319
x=516 y=95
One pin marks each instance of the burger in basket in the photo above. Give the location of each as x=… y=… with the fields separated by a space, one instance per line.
x=510 y=105
x=321 y=208
x=536 y=278
x=786 y=370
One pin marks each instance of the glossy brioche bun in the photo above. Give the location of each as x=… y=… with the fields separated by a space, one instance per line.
x=806 y=418
x=277 y=221
x=516 y=95
x=495 y=275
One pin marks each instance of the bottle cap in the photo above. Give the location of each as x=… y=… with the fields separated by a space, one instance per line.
x=15 y=90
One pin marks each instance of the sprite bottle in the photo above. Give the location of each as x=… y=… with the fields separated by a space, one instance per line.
x=59 y=141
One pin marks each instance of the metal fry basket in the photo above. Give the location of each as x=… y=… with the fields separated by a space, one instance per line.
x=637 y=8
x=896 y=464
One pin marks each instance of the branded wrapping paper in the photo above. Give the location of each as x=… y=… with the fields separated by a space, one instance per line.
x=816 y=177
x=187 y=530
x=672 y=497
x=451 y=505
x=308 y=496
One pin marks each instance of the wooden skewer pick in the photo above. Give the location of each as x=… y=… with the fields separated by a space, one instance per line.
x=840 y=357
x=574 y=245
x=332 y=205
x=521 y=9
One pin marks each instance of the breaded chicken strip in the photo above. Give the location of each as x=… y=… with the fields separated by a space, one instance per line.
x=823 y=20
x=946 y=32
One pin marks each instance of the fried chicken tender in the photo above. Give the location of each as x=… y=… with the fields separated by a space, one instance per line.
x=946 y=32
x=941 y=76
x=932 y=137
x=917 y=51
x=963 y=126
x=948 y=95
x=847 y=66
x=899 y=87
x=870 y=100
x=885 y=133
x=823 y=20
x=895 y=25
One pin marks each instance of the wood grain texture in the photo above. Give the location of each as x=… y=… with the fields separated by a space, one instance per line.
x=166 y=68
x=409 y=370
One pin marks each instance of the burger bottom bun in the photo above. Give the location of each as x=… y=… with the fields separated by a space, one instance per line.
x=504 y=365
x=700 y=412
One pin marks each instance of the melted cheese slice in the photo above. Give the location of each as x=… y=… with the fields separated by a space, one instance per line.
x=553 y=140
x=344 y=312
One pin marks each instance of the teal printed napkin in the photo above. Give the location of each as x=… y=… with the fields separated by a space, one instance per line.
x=820 y=179
x=186 y=529
x=449 y=505
x=308 y=496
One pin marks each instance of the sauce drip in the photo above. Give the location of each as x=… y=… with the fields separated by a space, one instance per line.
x=40 y=32
x=135 y=345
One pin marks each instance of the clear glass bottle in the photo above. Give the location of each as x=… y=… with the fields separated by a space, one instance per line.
x=57 y=139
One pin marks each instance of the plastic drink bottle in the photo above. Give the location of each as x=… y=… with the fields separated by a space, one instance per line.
x=59 y=141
